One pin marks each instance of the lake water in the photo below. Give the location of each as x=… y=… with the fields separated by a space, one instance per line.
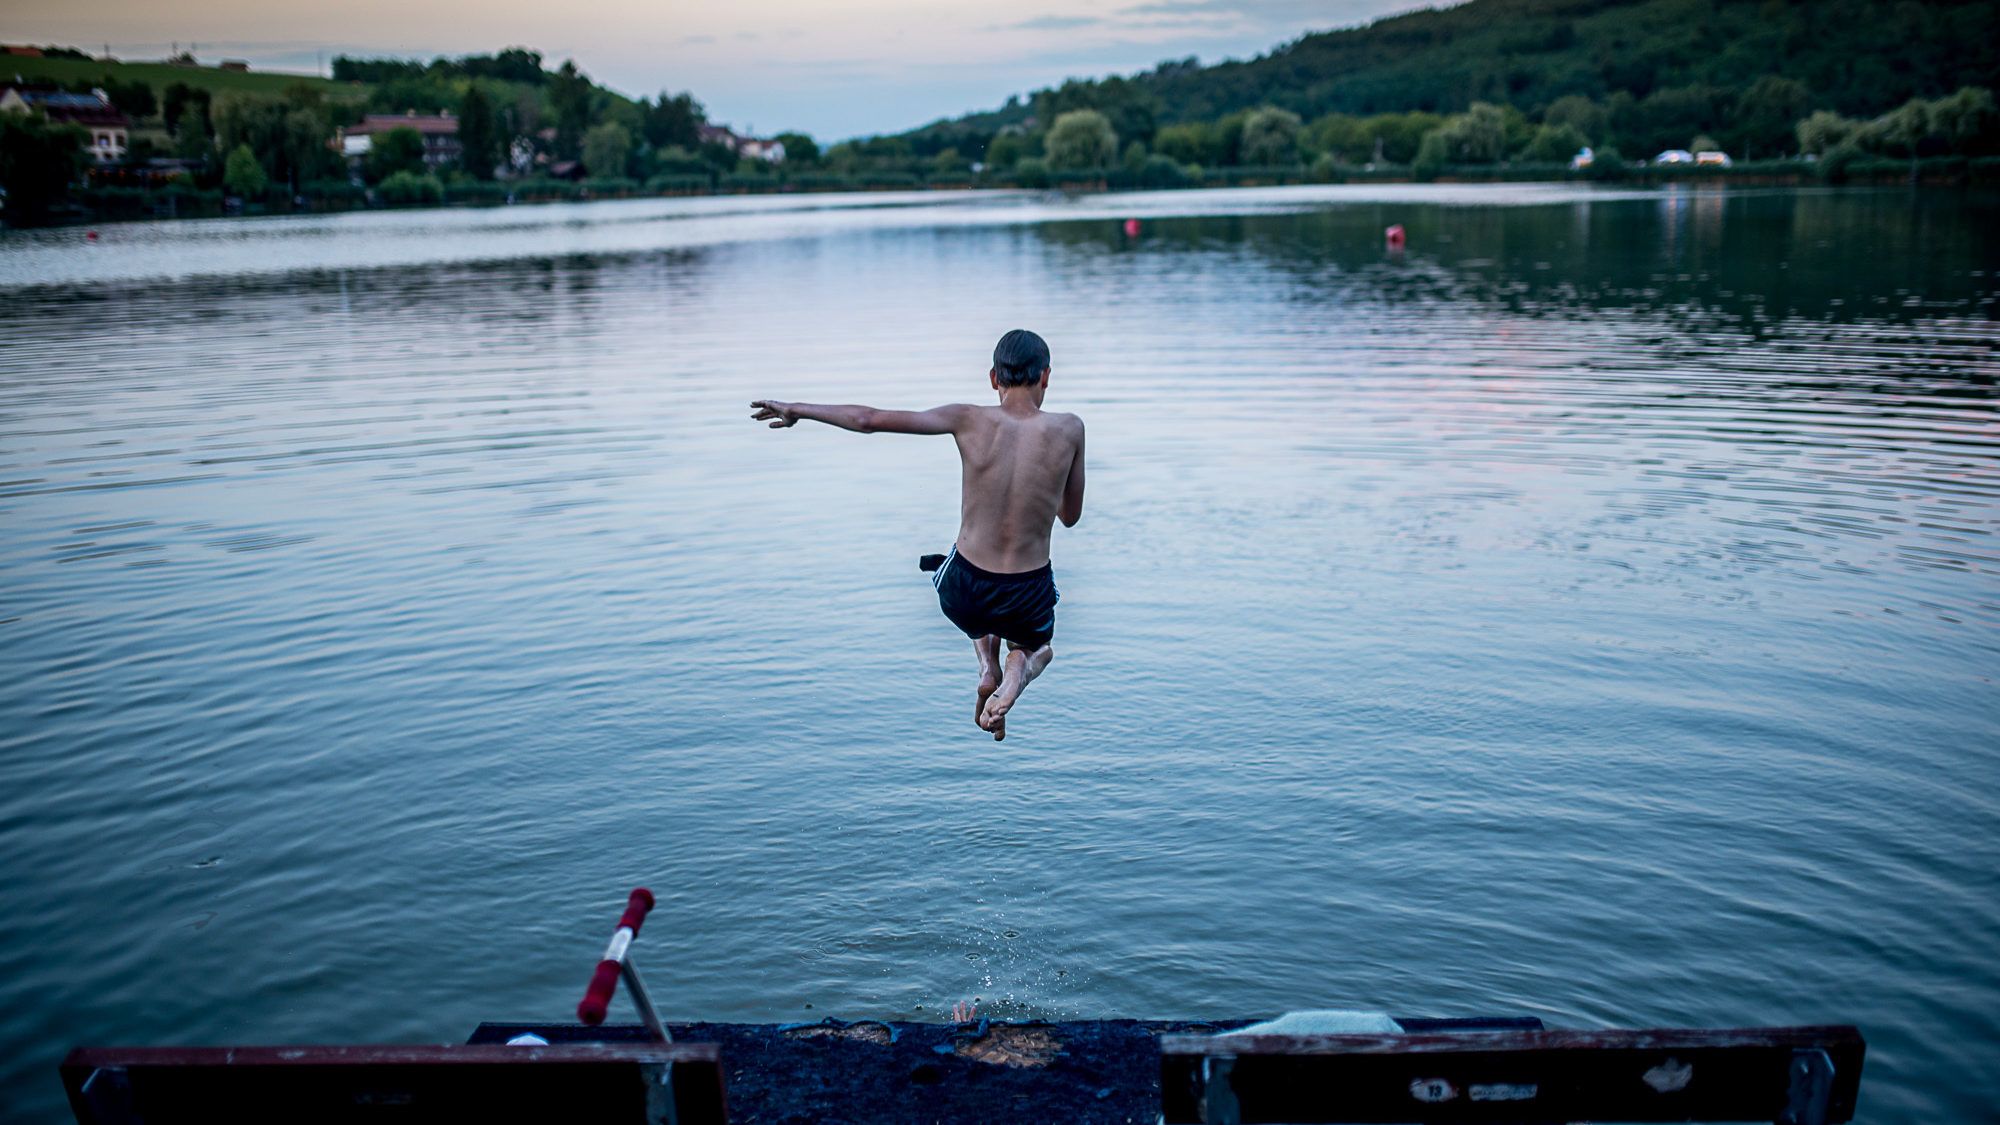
x=1589 y=613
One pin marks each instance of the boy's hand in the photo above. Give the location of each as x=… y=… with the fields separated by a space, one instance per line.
x=780 y=414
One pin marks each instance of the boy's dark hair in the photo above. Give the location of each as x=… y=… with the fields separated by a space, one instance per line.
x=1020 y=358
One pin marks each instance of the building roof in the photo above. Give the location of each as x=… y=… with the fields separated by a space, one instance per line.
x=429 y=125
x=69 y=108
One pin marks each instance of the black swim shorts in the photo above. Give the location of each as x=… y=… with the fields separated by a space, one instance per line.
x=1017 y=607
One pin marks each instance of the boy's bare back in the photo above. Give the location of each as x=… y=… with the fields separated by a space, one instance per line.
x=1021 y=471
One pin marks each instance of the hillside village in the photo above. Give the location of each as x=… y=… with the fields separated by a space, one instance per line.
x=181 y=135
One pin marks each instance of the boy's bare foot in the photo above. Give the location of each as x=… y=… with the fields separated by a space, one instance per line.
x=1022 y=667
x=996 y=725
x=994 y=719
x=987 y=649
x=987 y=684
x=993 y=716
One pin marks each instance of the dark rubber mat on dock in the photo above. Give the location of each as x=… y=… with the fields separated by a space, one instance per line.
x=874 y=1073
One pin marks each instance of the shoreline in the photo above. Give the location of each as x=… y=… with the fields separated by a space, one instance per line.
x=125 y=204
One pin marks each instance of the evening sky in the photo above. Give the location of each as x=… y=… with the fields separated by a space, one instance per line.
x=834 y=70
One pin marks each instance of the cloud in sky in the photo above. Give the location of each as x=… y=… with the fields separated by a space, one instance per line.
x=834 y=70
x=1050 y=23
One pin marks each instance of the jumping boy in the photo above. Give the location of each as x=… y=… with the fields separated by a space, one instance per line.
x=1023 y=470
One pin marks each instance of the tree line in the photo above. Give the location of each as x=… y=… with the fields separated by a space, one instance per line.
x=1535 y=80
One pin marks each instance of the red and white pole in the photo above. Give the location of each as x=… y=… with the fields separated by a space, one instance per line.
x=617 y=962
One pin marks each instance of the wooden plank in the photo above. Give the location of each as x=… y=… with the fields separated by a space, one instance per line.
x=1738 y=1074
x=612 y=1082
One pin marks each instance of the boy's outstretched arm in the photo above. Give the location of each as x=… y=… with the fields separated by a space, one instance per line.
x=862 y=419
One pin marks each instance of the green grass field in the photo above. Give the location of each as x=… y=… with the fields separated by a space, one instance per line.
x=160 y=75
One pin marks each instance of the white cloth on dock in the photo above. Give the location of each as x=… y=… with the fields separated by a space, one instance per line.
x=1324 y=1021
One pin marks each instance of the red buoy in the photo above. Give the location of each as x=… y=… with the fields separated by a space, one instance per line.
x=1394 y=237
x=90 y=236
x=1131 y=228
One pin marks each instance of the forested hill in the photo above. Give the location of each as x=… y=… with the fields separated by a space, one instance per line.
x=1851 y=56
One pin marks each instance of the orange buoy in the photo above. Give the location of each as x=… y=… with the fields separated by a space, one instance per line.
x=1394 y=237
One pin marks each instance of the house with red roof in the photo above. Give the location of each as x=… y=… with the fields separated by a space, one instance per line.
x=439 y=131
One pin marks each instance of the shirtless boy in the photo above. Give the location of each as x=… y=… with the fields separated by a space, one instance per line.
x=1023 y=470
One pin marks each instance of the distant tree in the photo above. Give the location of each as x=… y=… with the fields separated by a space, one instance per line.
x=1341 y=136
x=569 y=100
x=300 y=95
x=1162 y=171
x=1081 y=139
x=1967 y=121
x=717 y=154
x=1129 y=106
x=422 y=94
x=524 y=117
x=479 y=140
x=243 y=119
x=1135 y=156
x=675 y=120
x=1031 y=172
x=518 y=64
x=1477 y=136
x=1397 y=135
x=1667 y=118
x=1823 y=131
x=1607 y=163
x=677 y=161
x=1004 y=150
x=306 y=156
x=1191 y=143
x=515 y=64
x=1554 y=143
x=1579 y=113
x=1899 y=131
x=347 y=69
x=178 y=100
x=1704 y=143
x=607 y=150
x=405 y=189
x=38 y=162
x=287 y=135
x=799 y=148
x=1225 y=139
x=1432 y=155
x=1270 y=136
x=1762 y=124
x=949 y=162
x=1834 y=163
x=133 y=99
x=398 y=150
x=243 y=175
